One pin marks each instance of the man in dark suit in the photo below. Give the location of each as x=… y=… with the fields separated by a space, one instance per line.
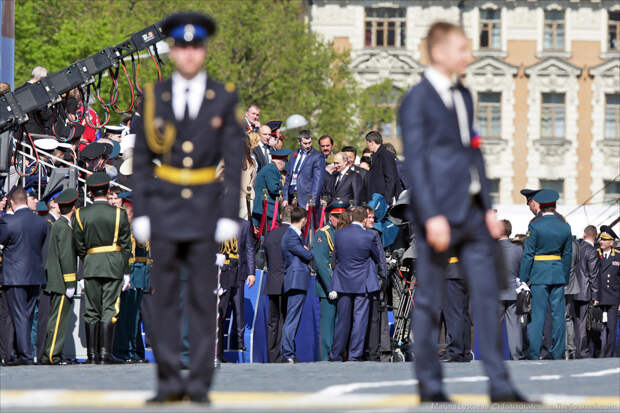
x=587 y=277
x=262 y=152
x=296 y=280
x=508 y=297
x=344 y=184
x=354 y=278
x=191 y=211
x=306 y=172
x=351 y=153
x=383 y=175
x=451 y=207
x=23 y=235
x=274 y=285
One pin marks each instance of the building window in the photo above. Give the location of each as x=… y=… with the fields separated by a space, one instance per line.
x=494 y=190
x=390 y=127
x=555 y=184
x=385 y=27
x=552 y=118
x=554 y=30
x=489 y=114
x=613 y=30
x=612 y=115
x=490 y=29
x=612 y=191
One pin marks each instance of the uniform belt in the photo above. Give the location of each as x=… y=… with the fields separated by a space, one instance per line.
x=453 y=260
x=231 y=257
x=145 y=260
x=105 y=248
x=183 y=176
x=547 y=258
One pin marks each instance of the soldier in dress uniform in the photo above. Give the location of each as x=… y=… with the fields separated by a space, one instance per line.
x=189 y=124
x=609 y=289
x=126 y=337
x=102 y=239
x=546 y=264
x=61 y=271
x=323 y=252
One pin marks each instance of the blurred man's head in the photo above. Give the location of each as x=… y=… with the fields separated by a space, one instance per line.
x=280 y=164
x=298 y=217
x=351 y=153
x=327 y=144
x=18 y=198
x=370 y=220
x=359 y=214
x=447 y=48
x=37 y=73
x=590 y=233
x=252 y=114
x=265 y=134
x=340 y=161
x=534 y=206
x=305 y=140
x=4 y=88
x=188 y=58
x=507 y=228
x=374 y=140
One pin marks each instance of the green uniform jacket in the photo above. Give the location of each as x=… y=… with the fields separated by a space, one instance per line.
x=61 y=263
x=548 y=236
x=102 y=226
x=270 y=178
x=323 y=251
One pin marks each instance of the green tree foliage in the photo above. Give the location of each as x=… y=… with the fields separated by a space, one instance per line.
x=264 y=47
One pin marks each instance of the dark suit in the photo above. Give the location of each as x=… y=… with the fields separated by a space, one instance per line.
x=587 y=278
x=508 y=298
x=23 y=236
x=439 y=171
x=609 y=299
x=184 y=214
x=349 y=188
x=383 y=175
x=355 y=275
x=261 y=158
x=456 y=314
x=274 y=290
x=296 y=282
x=309 y=180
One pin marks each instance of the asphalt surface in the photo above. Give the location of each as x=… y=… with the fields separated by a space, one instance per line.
x=586 y=385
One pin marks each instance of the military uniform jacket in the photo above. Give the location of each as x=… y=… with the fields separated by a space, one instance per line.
x=270 y=178
x=609 y=289
x=547 y=252
x=61 y=263
x=185 y=203
x=102 y=239
x=140 y=265
x=323 y=252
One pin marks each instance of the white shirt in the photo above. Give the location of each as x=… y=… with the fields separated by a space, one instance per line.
x=359 y=224
x=265 y=149
x=607 y=253
x=297 y=231
x=441 y=83
x=192 y=90
x=20 y=207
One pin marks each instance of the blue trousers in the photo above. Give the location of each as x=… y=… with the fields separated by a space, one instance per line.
x=458 y=323
x=541 y=295
x=125 y=343
x=295 y=304
x=473 y=245
x=351 y=326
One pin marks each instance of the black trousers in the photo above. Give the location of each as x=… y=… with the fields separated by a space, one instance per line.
x=587 y=343
x=225 y=300
x=456 y=314
x=200 y=305
x=237 y=301
x=277 y=314
x=608 y=335
x=378 y=343
x=43 y=314
x=22 y=301
x=7 y=331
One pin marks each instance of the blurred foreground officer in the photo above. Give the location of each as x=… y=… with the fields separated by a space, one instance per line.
x=609 y=293
x=61 y=277
x=188 y=124
x=452 y=208
x=545 y=264
x=296 y=281
x=587 y=275
x=23 y=236
x=355 y=277
x=323 y=252
x=103 y=241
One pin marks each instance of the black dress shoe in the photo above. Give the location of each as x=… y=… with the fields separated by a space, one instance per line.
x=450 y=359
x=167 y=398
x=292 y=360
x=514 y=397
x=141 y=361
x=200 y=398
x=20 y=363
x=435 y=398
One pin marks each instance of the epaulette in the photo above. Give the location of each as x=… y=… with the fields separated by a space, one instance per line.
x=325 y=228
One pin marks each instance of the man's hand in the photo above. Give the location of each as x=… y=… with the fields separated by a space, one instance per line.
x=126 y=283
x=438 y=233
x=284 y=203
x=250 y=280
x=494 y=226
x=333 y=295
x=70 y=292
x=595 y=302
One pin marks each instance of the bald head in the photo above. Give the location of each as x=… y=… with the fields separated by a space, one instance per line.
x=265 y=133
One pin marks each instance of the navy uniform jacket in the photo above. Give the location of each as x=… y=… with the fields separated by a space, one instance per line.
x=357 y=258
x=438 y=164
x=275 y=262
x=296 y=260
x=587 y=274
x=323 y=250
x=512 y=261
x=268 y=177
x=187 y=211
x=310 y=178
x=609 y=291
x=23 y=235
x=239 y=258
x=548 y=236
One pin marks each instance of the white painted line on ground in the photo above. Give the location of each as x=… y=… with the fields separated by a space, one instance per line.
x=548 y=377
x=341 y=389
x=472 y=379
x=597 y=373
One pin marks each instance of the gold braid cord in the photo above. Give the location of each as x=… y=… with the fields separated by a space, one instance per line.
x=158 y=143
x=229 y=247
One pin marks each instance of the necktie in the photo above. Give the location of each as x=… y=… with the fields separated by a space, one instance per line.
x=186 y=111
x=338 y=179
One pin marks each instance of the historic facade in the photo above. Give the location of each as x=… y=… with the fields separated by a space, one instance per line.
x=545 y=77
